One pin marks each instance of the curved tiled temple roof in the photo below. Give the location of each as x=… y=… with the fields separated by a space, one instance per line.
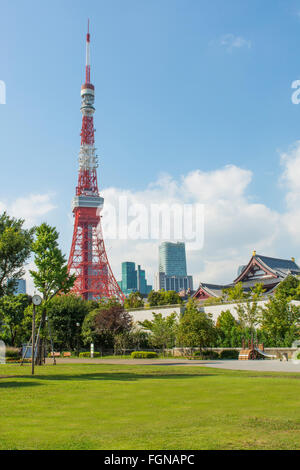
x=260 y=269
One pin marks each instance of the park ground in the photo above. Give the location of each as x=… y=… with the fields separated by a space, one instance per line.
x=145 y=406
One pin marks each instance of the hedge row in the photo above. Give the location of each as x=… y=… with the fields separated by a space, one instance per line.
x=88 y=354
x=144 y=355
x=12 y=353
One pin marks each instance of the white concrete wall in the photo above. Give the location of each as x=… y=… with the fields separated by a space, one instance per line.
x=215 y=310
x=147 y=314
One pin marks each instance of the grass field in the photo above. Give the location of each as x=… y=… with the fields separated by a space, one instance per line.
x=147 y=407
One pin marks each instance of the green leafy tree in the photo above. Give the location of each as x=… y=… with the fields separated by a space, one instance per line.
x=196 y=329
x=65 y=313
x=51 y=276
x=280 y=320
x=15 y=249
x=154 y=298
x=134 y=300
x=162 y=297
x=247 y=305
x=235 y=293
x=163 y=330
x=225 y=325
x=12 y=308
x=289 y=288
x=89 y=334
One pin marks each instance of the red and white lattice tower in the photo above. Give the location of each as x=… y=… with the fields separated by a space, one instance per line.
x=88 y=259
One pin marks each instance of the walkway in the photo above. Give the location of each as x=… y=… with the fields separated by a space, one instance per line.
x=263 y=366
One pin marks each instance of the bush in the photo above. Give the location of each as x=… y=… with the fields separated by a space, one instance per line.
x=298 y=356
x=229 y=354
x=88 y=354
x=144 y=355
x=206 y=355
x=12 y=353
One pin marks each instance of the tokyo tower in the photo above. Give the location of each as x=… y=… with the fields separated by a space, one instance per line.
x=88 y=258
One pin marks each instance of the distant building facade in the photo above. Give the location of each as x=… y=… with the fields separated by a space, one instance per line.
x=20 y=287
x=172 y=273
x=133 y=280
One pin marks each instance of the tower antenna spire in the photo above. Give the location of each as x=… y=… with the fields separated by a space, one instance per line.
x=88 y=60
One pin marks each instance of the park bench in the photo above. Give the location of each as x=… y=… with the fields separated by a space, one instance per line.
x=55 y=354
x=67 y=354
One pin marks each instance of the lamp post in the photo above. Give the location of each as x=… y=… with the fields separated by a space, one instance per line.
x=36 y=300
x=77 y=326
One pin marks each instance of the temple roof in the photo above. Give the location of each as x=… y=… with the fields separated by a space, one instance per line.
x=275 y=267
x=215 y=290
x=279 y=265
x=260 y=269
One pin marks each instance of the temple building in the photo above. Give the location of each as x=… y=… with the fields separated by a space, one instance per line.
x=269 y=272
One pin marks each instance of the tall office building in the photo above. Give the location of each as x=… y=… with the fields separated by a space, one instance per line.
x=172 y=273
x=172 y=259
x=133 y=280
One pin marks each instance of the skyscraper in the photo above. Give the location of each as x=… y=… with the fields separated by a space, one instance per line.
x=172 y=273
x=133 y=280
x=172 y=259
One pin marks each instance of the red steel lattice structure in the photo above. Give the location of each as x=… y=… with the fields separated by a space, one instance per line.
x=88 y=258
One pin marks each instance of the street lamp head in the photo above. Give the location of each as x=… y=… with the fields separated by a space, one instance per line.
x=36 y=300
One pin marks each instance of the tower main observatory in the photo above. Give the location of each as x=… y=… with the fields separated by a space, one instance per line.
x=88 y=258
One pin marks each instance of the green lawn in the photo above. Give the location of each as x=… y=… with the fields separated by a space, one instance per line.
x=147 y=407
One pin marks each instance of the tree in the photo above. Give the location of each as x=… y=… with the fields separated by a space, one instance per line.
x=12 y=309
x=289 y=288
x=154 y=298
x=247 y=310
x=51 y=276
x=15 y=249
x=104 y=324
x=226 y=320
x=235 y=293
x=162 y=297
x=134 y=300
x=280 y=320
x=163 y=330
x=64 y=312
x=196 y=329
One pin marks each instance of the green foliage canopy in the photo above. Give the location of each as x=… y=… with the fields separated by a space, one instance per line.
x=15 y=249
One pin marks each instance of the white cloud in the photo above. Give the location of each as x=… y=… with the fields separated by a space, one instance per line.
x=231 y=42
x=32 y=208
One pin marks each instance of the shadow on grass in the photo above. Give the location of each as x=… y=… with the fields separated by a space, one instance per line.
x=14 y=384
x=110 y=376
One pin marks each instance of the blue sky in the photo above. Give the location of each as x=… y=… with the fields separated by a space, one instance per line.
x=181 y=86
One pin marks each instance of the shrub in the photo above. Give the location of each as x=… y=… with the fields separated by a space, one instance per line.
x=144 y=355
x=12 y=353
x=229 y=354
x=88 y=354
x=298 y=356
x=206 y=354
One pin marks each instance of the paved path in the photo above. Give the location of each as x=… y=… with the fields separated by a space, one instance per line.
x=263 y=366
